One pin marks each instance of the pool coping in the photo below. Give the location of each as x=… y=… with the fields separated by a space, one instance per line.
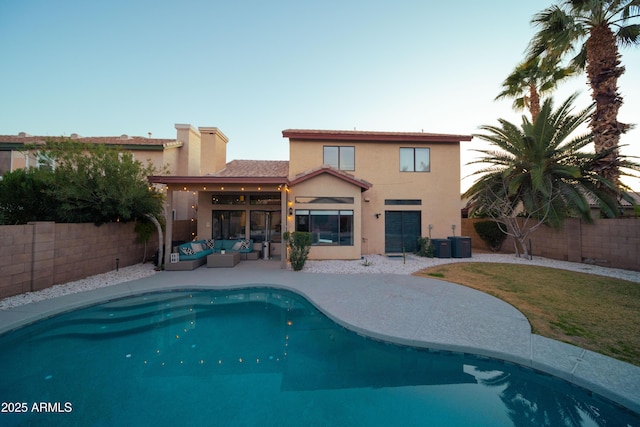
x=408 y=310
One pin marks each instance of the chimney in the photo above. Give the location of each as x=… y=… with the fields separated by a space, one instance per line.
x=189 y=155
x=213 y=156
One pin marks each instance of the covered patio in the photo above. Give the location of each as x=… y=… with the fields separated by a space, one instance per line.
x=246 y=200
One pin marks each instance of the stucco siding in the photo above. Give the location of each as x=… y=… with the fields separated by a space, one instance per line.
x=326 y=185
x=438 y=190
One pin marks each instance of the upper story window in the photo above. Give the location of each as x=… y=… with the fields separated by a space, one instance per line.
x=415 y=160
x=343 y=158
x=5 y=162
x=45 y=161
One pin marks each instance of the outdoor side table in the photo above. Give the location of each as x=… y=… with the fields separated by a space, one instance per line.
x=229 y=259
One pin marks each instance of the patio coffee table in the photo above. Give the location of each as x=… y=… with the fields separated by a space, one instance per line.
x=229 y=259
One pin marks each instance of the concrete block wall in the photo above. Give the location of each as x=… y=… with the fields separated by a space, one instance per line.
x=39 y=255
x=16 y=259
x=606 y=242
x=612 y=243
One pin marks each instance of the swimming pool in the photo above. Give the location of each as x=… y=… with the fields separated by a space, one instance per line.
x=261 y=357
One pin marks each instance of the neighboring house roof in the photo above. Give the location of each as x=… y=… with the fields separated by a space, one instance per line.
x=347 y=135
x=125 y=141
x=364 y=185
x=622 y=202
x=636 y=198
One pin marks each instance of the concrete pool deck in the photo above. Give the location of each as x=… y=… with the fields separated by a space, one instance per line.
x=404 y=309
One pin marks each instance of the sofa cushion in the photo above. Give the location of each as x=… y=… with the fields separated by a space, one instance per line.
x=186 y=250
x=233 y=245
x=194 y=250
x=227 y=244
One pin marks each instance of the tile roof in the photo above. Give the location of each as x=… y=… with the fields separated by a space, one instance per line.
x=364 y=185
x=255 y=169
x=374 y=136
x=123 y=140
x=625 y=204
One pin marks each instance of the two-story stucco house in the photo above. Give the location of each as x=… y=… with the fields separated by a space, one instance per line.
x=357 y=192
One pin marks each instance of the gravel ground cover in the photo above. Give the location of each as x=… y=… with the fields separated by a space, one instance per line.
x=371 y=264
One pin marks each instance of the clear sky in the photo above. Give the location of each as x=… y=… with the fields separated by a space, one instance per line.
x=254 y=68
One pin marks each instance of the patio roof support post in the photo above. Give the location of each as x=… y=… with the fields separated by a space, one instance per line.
x=284 y=208
x=168 y=244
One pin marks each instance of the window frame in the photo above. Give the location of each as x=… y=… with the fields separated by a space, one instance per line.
x=6 y=159
x=343 y=230
x=342 y=153
x=412 y=168
x=45 y=160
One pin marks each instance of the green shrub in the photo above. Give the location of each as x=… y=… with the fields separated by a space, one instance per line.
x=299 y=243
x=490 y=233
x=426 y=248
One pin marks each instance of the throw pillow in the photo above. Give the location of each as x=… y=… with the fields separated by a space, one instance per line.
x=186 y=250
x=245 y=244
x=236 y=246
x=210 y=243
x=197 y=247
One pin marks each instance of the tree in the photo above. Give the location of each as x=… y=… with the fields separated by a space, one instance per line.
x=25 y=195
x=594 y=29
x=506 y=210
x=529 y=80
x=81 y=183
x=97 y=183
x=540 y=173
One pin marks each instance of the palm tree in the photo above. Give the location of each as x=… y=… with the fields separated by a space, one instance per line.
x=539 y=173
x=529 y=80
x=594 y=29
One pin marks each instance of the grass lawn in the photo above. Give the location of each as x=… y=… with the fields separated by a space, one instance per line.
x=593 y=312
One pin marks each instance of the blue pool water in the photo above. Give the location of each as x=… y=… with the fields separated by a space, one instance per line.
x=261 y=357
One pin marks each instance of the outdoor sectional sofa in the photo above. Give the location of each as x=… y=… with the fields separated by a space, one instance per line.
x=194 y=254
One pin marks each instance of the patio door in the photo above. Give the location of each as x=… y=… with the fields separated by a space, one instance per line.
x=228 y=224
x=401 y=231
x=265 y=226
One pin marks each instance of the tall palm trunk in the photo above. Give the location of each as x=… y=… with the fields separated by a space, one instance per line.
x=534 y=101
x=603 y=70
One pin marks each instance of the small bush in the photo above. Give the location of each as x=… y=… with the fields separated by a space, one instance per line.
x=426 y=248
x=490 y=233
x=299 y=243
